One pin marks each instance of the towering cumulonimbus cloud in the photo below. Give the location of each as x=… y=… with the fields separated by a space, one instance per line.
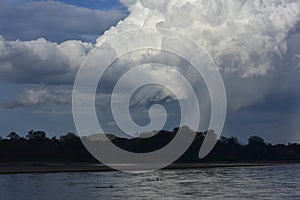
x=242 y=36
x=255 y=44
x=247 y=40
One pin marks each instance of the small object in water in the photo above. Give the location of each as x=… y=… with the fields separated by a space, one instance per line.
x=104 y=187
x=158 y=179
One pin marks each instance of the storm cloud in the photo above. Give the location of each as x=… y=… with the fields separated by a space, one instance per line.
x=56 y=21
x=255 y=44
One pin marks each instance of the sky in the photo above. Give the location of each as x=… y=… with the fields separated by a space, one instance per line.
x=255 y=44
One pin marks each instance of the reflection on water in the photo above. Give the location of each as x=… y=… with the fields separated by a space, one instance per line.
x=275 y=182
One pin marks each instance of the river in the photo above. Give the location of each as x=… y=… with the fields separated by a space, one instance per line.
x=264 y=182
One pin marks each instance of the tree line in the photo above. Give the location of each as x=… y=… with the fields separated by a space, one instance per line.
x=37 y=147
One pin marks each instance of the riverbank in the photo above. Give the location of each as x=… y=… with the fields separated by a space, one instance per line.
x=23 y=168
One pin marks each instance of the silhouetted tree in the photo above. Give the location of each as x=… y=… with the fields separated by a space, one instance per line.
x=255 y=140
x=36 y=135
x=68 y=137
x=13 y=136
x=257 y=149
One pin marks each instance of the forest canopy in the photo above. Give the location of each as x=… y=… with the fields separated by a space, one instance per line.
x=37 y=147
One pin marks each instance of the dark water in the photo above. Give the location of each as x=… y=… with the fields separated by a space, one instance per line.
x=275 y=182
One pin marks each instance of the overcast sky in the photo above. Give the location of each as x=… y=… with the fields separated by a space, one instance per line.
x=256 y=45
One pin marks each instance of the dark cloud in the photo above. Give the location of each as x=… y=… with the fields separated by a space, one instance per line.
x=54 y=20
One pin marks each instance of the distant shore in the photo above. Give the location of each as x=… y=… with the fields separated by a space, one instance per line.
x=23 y=168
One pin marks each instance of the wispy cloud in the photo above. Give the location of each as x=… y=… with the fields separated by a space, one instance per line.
x=38 y=96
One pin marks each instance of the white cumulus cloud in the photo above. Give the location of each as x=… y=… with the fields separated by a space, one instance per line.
x=40 y=61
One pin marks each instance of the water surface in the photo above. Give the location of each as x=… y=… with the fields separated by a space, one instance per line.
x=271 y=182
